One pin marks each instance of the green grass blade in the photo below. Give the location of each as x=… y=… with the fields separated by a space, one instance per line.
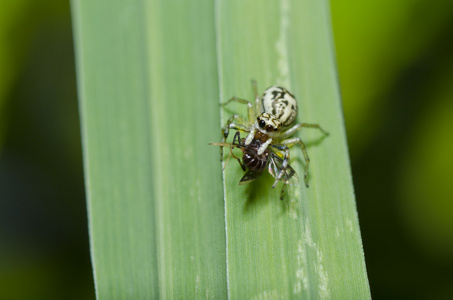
x=115 y=128
x=148 y=112
x=309 y=245
x=187 y=173
x=149 y=75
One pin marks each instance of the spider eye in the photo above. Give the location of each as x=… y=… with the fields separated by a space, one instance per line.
x=269 y=128
x=276 y=129
x=262 y=123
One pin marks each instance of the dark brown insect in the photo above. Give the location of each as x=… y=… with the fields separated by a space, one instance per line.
x=254 y=164
x=251 y=160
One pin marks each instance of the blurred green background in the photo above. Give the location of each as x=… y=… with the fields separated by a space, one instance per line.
x=395 y=62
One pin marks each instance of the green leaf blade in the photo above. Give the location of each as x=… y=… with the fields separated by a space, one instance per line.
x=183 y=110
x=299 y=247
x=150 y=77
x=114 y=174
x=156 y=230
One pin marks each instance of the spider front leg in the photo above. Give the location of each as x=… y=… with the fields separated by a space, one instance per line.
x=250 y=109
x=252 y=112
x=231 y=124
x=294 y=141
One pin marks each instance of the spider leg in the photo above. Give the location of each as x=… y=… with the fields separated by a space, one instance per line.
x=238 y=125
x=294 y=141
x=258 y=105
x=281 y=150
x=231 y=124
x=264 y=146
x=283 y=191
x=250 y=109
x=250 y=136
x=254 y=88
x=290 y=131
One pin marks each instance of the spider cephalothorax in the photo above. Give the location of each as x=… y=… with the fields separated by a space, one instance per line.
x=269 y=124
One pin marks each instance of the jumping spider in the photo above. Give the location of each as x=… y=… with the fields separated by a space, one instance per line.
x=271 y=122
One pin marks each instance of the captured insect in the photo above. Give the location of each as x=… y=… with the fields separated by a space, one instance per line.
x=270 y=125
x=255 y=163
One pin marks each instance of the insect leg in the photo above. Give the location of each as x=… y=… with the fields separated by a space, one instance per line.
x=237 y=139
x=234 y=156
x=294 y=141
x=237 y=143
x=240 y=163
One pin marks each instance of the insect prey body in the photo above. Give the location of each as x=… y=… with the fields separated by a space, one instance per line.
x=254 y=164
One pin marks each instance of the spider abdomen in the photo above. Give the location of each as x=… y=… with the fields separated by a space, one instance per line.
x=281 y=103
